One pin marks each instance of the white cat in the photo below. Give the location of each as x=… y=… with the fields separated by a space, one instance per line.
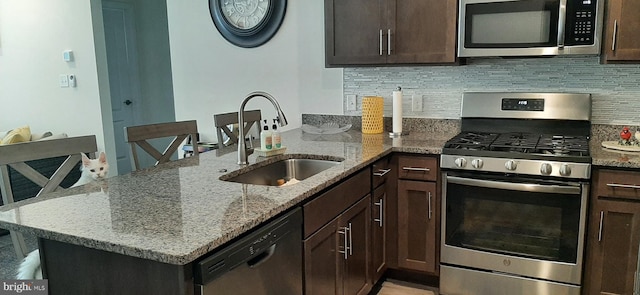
x=30 y=267
x=92 y=170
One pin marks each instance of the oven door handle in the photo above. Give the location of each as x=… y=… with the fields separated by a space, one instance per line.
x=525 y=187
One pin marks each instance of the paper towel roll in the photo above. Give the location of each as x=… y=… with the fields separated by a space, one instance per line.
x=397 y=111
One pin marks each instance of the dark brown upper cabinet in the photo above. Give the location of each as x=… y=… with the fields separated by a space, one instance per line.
x=390 y=32
x=622 y=28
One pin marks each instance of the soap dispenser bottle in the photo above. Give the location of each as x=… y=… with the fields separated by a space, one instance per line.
x=265 y=137
x=275 y=135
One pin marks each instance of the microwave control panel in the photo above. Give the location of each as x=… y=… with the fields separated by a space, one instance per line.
x=581 y=22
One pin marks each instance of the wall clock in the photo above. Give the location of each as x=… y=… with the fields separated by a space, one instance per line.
x=247 y=23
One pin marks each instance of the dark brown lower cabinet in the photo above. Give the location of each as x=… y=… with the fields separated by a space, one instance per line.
x=337 y=255
x=418 y=226
x=614 y=237
x=379 y=232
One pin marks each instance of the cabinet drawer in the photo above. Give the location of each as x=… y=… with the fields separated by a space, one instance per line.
x=331 y=203
x=381 y=170
x=418 y=168
x=616 y=184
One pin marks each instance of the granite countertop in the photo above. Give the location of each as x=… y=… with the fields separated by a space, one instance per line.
x=601 y=156
x=179 y=211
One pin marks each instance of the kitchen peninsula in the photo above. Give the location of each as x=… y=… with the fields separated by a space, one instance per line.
x=141 y=232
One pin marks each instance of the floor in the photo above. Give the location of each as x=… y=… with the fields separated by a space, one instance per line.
x=8 y=260
x=393 y=287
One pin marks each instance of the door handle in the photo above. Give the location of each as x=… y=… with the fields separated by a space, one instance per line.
x=380 y=41
x=128 y=102
x=430 y=211
x=600 y=227
x=344 y=232
x=615 y=32
x=380 y=213
x=350 y=240
x=389 y=42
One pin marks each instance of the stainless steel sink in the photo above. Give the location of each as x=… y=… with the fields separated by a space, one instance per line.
x=287 y=171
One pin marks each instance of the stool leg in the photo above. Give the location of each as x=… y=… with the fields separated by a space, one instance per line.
x=19 y=245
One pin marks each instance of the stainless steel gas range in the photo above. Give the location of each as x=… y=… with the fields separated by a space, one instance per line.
x=515 y=192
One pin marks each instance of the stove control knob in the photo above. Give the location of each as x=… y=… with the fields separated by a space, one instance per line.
x=511 y=165
x=546 y=169
x=461 y=162
x=477 y=163
x=565 y=170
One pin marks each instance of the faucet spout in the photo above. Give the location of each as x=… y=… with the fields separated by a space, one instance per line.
x=242 y=146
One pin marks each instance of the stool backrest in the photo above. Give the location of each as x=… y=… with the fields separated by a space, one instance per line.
x=139 y=135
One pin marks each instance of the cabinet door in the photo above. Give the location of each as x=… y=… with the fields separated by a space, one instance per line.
x=622 y=31
x=353 y=32
x=417 y=225
x=321 y=261
x=422 y=31
x=614 y=238
x=378 y=232
x=355 y=273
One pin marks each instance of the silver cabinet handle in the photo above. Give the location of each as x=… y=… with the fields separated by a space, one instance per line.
x=380 y=41
x=615 y=33
x=389 y=42
x=562 y=18
x=416 y=169
x=344 y=232
x=600 y=228
x=380 y=213
x=381 y=172
x=623 y=185
x=430 y=212
x=350 y=240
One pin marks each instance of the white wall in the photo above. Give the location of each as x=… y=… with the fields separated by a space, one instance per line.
x=211 y=76
x=33 y=35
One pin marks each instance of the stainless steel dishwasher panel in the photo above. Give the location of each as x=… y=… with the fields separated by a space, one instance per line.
x=267 y=261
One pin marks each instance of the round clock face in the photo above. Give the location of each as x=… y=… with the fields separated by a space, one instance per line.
x=245 y=14
x=247 y=23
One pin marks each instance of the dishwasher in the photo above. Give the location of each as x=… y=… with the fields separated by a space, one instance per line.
x=266 y=261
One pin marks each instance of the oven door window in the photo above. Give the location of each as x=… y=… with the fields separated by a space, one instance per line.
x=534 y=225
x=513 y=24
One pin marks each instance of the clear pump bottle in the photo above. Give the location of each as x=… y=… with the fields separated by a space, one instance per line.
x=265 y=137
x=275 y=135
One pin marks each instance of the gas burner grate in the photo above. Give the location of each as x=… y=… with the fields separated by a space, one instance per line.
x=515 y=142
x=471 y=141
x=564 y=145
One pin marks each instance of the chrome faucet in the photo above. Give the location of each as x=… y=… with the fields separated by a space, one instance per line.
x=242 y=146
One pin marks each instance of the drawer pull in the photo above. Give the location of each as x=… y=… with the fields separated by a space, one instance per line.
x=416 y=169
x=623 y=185
x=381 y=172
x=600 y=228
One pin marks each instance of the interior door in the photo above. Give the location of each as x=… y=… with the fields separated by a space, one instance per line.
x=123 y=74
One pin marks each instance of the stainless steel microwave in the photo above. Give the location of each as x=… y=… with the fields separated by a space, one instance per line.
x=529 y=27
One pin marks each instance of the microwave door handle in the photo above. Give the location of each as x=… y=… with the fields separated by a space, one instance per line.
x=562 y=20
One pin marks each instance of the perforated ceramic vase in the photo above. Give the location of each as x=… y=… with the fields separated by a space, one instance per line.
x=372 y=111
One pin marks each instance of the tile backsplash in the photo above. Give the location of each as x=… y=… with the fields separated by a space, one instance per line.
x=615 y=89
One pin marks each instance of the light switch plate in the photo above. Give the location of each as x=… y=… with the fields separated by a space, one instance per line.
x=63 y=80
x=416 y=103
x=352 y=104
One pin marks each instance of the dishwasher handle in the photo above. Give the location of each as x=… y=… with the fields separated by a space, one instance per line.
x=262 y=257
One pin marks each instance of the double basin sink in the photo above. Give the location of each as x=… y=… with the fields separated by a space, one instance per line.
x=283 y=172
